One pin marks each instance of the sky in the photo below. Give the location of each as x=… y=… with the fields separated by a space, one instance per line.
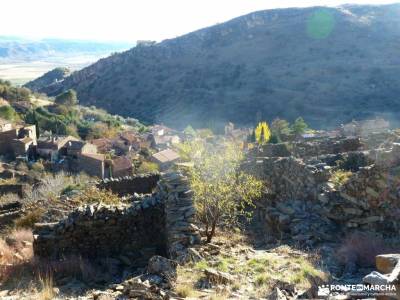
x=131 y=20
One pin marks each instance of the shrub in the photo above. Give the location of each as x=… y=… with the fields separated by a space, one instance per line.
x=147 y=167
x=67 y=98
x=93 y=195
x=8 y=113
x=184 y=290
x=38 y=167
x=221 y=191
x=262 y=279
x=340 y=177
x=28 y=220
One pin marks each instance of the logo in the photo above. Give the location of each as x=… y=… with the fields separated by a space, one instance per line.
x=323 y=290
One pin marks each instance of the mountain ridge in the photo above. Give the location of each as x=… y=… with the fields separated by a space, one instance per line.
x=315 y=62
x=14 y=48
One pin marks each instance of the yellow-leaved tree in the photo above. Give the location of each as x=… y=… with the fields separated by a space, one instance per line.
x=222 y=192
x=262 y=133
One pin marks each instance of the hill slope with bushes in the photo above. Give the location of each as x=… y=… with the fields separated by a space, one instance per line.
x=328 y=65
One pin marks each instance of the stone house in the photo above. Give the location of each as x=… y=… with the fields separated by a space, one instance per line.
x=53 y=147
x=103 y=145
x=120 y=167
x=24 y=146
x=17 y=140
x=165 y=159
x=165 y=141
x=131 y=140
x=160 y=130
x=78 y=147
x=92 y=164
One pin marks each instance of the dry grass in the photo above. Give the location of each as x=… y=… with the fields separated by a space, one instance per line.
x=93 y=195
x=255 y=272
x=15 y=252
x=184 y=290
x=47 y=289
x=28 y=220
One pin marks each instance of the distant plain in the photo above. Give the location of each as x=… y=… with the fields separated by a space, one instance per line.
x=20 y=72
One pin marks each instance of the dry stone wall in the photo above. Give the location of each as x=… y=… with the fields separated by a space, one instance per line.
x=181 y=230
x=105 y=231
x=17 y=189
x=160 y=223
x=305 y=206
x=141 y=184
x=304 y=149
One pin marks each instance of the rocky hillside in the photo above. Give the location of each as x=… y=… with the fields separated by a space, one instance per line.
x=328 y=65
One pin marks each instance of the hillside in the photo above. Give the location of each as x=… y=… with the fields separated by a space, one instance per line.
x=21 y=49
x=315 y=62
x=49 y=78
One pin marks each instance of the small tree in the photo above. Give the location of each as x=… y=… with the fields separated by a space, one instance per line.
x=189 y=131
x=299 y=126
x=8 y=113
x=67 y=98
x=221 y=190
x=280 y=127
x=262 y=133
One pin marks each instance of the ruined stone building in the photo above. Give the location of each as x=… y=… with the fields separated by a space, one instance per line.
x=120 y=167
x=17 y=140
x=53 y=147
x=92 y=164
x=364 y=128
x=74 y=148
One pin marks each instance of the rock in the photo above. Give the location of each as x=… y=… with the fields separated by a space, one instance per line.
x=277 y=294
x=162 y=266
x=218 y=277
x=376 y=278
x=385 y=263
x=194 y=255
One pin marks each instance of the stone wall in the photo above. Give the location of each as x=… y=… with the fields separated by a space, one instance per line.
x=305 y=207
x=304 y=149
x=9 y=212
x=106 y=231
x=17 y=189
x=288 y=177
x=141 y=184
x=179 y=214
x=159 y=223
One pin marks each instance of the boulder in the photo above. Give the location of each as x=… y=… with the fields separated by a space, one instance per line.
x=375 y=278
x=218 y=277
x=163 y=267
x=385 y=263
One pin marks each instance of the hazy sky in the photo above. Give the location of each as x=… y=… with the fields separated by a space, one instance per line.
x=131 y=20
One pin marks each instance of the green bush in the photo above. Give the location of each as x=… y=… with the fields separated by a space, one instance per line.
x=147 y=167
x=8 y=113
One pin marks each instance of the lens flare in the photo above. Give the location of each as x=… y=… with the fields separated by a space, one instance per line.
x=321 y=24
